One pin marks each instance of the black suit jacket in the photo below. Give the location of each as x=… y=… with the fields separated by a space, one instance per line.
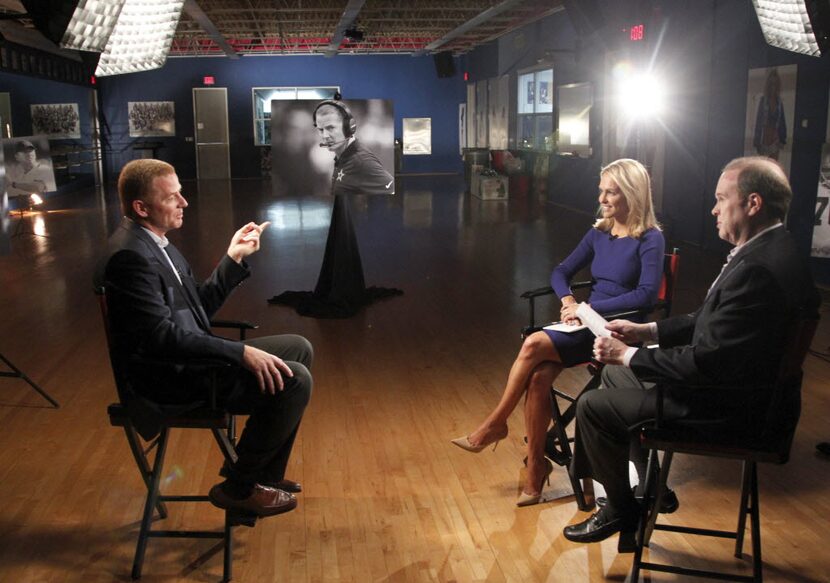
x=719 y=363
x=152 y=315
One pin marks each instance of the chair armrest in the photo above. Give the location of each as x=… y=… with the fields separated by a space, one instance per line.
x=535 y=293
x=209 y=368
x=531 y=296
x=189 y=364
x=547 y=290
x=658 y=305
x=528 y=330
x=239 y=325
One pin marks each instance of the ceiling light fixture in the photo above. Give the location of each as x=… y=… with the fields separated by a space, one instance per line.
x=801 y=26
x=141 y=38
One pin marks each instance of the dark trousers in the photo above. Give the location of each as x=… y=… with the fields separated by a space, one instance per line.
x=266 y=442
x=608 y=422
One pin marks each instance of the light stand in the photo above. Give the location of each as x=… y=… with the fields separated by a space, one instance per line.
x=17 y=373
x=29 y=201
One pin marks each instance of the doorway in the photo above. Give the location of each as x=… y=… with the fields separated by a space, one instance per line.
x=210 y=112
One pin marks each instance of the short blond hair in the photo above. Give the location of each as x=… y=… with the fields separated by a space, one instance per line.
x=136 y=181
x=633 y=180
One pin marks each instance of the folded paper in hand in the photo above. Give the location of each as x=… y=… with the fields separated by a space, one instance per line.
x=594 y=321
x=589 y=318
x=566 y=328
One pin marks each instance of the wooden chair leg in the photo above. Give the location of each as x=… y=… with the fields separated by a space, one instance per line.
x=645 y=517
x=755 y=514
x=743 y=509
x=565 y=455
x=143 y=465
x=150 y=504
x=226 y=445
x=227 y=567
x=658 y=489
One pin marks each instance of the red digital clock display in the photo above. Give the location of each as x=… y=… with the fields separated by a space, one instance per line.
x=637 y=32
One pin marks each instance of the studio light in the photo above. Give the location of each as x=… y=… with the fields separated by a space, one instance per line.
x=640 y=95
x=83 y=25
x=35 y=200
x=801 y=26
x=141 y=38
x=91 y=25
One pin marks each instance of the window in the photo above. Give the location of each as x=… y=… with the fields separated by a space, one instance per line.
x=262 y=97
x=535 y=111
x=575 y=103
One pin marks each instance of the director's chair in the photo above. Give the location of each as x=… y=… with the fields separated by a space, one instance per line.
x=558 y=443
x=199 y=415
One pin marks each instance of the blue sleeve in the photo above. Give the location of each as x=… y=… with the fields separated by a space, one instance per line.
x=652 y=249
x=580 y=257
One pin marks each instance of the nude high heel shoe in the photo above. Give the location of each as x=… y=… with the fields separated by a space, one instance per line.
x=464 y=443
x=526 y=499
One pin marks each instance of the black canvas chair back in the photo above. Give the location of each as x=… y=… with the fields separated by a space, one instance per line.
x=132 y=413
x=558 y=443
x=772 y=446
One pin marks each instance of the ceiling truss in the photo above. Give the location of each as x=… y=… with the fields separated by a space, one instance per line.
x=288 y=27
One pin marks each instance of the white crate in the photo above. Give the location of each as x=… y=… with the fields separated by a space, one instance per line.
x=492 y=188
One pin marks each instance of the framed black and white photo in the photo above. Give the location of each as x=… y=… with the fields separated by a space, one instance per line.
x=151 y=119
x=56 y=120
x=303 y=158
x=27 y=164
x=417 y=136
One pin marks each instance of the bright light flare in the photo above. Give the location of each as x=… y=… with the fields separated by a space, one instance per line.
x=641 y=95
x=35 y=199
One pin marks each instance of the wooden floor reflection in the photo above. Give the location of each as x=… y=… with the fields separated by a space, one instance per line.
x=386 y=497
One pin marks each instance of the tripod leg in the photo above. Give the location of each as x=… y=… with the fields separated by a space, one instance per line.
x=21 y=375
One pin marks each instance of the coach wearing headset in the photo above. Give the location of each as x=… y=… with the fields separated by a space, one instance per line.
x=356 y=169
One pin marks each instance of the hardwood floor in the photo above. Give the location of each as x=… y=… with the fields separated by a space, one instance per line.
x=386 y=496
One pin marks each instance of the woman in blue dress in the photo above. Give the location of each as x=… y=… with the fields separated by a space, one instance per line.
x=624 y=250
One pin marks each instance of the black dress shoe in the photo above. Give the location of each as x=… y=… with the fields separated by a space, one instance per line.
x=602 y=525
x=262 y=501
x=669 y=504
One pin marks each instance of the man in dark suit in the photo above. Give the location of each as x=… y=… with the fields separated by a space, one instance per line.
x=158 y=310
x=717 y=364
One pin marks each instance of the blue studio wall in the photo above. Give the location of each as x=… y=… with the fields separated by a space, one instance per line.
x=704 y=50
x=410 y=82
x=25 y=91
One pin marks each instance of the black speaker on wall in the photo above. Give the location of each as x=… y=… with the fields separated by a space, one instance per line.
x=585 y=15
x=444 y=64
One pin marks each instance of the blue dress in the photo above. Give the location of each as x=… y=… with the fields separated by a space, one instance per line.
x=626 y=273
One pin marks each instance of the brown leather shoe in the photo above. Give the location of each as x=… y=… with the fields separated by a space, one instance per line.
x=262 y=501
x=285 y=484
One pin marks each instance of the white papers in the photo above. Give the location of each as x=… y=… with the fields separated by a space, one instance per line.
x=589 y=318
x=566 y=328
x=594 y=321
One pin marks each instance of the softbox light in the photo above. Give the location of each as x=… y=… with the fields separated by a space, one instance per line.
x=141 y=38
x=83 y=25
x=801 y=26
